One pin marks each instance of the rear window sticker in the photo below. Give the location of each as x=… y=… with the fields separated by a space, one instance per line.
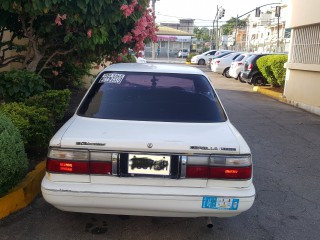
x=220 y=203
x=112 y=78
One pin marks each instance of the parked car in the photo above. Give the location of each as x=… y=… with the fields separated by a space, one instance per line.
x=183 y=53
x=222 y=65
x=250 y=73
x=140 y=59
x=141 y=114
x=219 y=54
x=202 y=59
x=237 y=66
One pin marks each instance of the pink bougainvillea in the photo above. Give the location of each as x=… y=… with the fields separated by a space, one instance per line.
x=129 y=9
x=144 y=28
x=58 y=19
x=55 y=73
x=127 y=38
x=89 y=33
x=59 y=63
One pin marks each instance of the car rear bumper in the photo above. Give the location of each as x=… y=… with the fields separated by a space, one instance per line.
x=217 y=69
x=144 y=200
x=233 y=73
x=245 y=75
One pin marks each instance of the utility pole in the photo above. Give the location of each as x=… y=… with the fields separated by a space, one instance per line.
x=220 y=14
x=153 y=47
x=217 y=33
x=236 y=33
x=277 y=14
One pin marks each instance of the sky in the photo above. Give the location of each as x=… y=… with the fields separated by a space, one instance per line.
x=204 y=11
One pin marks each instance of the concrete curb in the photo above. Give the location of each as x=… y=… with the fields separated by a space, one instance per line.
x=23 y=194
x=269 y=92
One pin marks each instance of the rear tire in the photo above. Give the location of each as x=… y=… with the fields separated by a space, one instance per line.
x=202 y=62
x=226 y=73
x=258 y=81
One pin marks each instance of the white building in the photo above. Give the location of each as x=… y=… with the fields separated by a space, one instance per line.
x=257 y=33
x=302 y=86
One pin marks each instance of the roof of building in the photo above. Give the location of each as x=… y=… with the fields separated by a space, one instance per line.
x=164 y=30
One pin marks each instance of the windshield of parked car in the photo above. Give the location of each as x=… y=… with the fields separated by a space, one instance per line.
x=152 y=97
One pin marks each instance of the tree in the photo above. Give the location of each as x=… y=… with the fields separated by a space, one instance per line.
x=230 y=26
x=202 y=33
x=77 y=32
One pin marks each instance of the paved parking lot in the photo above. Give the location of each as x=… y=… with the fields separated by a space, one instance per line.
x=285 y=142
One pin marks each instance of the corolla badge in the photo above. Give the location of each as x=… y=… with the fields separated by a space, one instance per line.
x=149 y=145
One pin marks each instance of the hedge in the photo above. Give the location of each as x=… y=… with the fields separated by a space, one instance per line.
x=34 y=124
x=56 y=101
x=277 y=67
x=272 y=68
x=13 y=159
x=190 y=55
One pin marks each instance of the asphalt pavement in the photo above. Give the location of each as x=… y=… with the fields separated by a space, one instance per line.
x=285 y=143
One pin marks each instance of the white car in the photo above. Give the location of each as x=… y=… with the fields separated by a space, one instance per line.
x=202 y=59
x=140 y=59
x=183 y=53
x=151 y=140
x=237 y=66
x=222 y=65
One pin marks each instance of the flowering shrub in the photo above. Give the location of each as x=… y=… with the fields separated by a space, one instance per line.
x=144 y=28
x=69 y=31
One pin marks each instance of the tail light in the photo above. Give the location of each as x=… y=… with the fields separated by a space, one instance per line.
x=79 y=162
x=219 y=167
x=240 y=63
x=250 y=67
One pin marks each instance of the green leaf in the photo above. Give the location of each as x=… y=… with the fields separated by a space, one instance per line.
x=47 y=3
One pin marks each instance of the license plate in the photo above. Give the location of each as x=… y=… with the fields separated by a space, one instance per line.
x=220 y=203
x=149 y=164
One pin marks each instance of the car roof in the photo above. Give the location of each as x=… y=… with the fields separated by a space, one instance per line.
x=153 y=68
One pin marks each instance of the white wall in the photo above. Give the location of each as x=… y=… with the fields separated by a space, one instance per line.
x=304 y=12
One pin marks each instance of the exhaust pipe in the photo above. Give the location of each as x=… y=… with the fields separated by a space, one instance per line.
x=209 y=222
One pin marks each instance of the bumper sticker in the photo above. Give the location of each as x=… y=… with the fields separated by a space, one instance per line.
x=220 y=203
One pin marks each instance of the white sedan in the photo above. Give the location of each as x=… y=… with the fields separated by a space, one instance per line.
x=203 y=58
x=222 y=65
x=151 y=140
x=237 y=65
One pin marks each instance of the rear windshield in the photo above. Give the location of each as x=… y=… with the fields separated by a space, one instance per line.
x=239 y=58
x=152 y=97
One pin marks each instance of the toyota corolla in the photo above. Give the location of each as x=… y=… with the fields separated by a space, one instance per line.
x=106 y=158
